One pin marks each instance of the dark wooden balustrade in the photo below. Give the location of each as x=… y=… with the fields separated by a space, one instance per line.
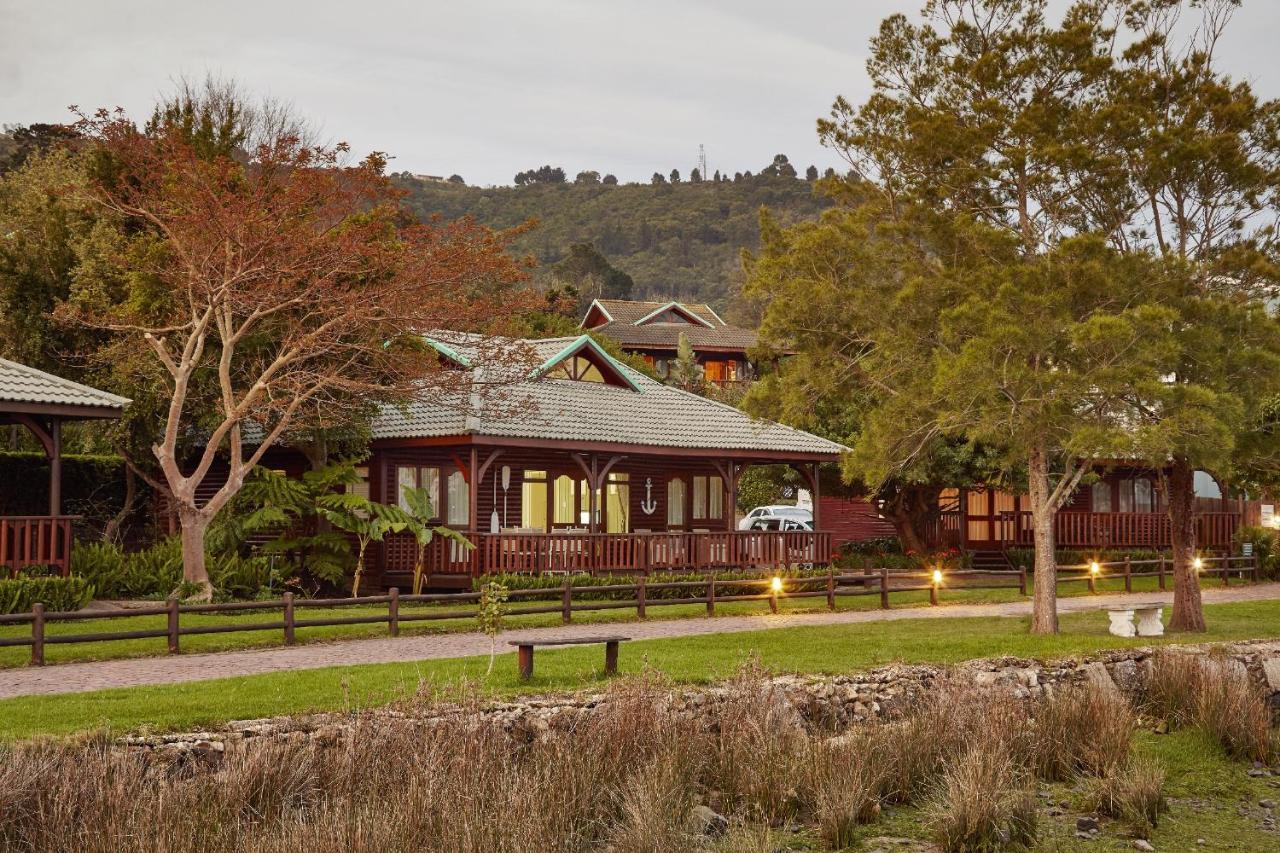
x=602 y=553
x=35 y=540
x=1118 y=529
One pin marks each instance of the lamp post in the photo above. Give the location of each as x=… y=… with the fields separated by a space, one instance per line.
x=775 y=589
x=933 y=587
x=1095 y=569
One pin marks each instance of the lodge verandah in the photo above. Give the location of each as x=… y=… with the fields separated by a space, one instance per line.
x=1123 y=509
x=600 y=511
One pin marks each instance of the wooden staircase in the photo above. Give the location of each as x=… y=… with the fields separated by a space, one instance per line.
x=991 y=561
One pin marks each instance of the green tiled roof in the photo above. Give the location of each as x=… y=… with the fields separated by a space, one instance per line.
x=540 y=407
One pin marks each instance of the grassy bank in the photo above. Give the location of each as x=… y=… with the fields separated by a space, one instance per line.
x=816 y=649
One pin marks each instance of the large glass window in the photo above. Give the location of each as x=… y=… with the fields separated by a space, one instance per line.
x=1144 y=498
x=676 y=493
x=459 y=502
x=708 y=498
x=617 y=501
x=420 y=477
x=1102 y=496
x=565 y=500
x=533 y=500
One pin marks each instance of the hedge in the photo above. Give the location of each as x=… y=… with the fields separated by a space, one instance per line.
x=92 y=487
x=551 y=583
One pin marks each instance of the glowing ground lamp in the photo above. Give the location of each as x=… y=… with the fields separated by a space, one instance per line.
x=775 y=589
x=933 y=587
x=1095 y=569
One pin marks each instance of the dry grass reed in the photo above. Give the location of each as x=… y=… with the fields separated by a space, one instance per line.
x=1212 y=693
x=1082 y=730
x=1133 y=794
x=983 y=802
x=627 y=776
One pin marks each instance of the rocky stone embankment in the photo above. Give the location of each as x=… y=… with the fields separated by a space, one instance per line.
x=832 y=702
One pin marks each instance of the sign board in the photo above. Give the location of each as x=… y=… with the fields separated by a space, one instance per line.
x=1268 y=515
x=1246 y=549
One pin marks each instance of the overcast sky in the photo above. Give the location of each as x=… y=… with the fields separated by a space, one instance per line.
x=486 y=88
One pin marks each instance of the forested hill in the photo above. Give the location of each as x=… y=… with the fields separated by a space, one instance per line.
x=676 y=240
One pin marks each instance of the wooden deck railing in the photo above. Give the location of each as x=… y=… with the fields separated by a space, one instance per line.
x=35 y=540
x=1118 y=529
x=604 y=553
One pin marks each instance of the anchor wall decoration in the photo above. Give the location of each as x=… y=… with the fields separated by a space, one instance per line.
x=648 y=505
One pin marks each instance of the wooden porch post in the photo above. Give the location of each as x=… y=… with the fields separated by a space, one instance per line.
x=55 y=466
x=473 y=509
x=817 y=498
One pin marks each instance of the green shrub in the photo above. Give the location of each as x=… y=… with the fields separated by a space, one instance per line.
x=55 y=593
x=1263 y=540
x=156 y=572
x=1026 y=556
x=552 y=583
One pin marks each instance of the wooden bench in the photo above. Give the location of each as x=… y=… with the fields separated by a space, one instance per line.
x=525 y=652
x=1149 y=619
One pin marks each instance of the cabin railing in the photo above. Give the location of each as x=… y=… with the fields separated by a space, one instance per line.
x=1118 y=529
x=603 y=553
x=35 y=540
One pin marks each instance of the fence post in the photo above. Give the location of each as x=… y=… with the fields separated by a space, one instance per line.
x=566 y=604
x=1128 y=579
x=640 y=597
x=1226 y=571
x=884 y=589
x=173 y=625
x=711 y=594
x=831 y=589
x=1160 y=571
x=1022 y=580
x=393 y=612
x=288 y=619
x=1256 y=566
x=37 y=634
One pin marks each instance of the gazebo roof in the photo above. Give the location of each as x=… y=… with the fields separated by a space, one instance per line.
x=27 y=391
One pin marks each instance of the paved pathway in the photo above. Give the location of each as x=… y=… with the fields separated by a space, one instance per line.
x=98 y=675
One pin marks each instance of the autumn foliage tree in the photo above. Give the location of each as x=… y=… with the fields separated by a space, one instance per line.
x=283 y=285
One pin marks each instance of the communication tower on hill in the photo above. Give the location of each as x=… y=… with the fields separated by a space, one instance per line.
x=702 y=161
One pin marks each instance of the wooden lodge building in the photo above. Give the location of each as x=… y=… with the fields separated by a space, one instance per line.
x=584 y=465
x=1124 y=509
x=652 y=330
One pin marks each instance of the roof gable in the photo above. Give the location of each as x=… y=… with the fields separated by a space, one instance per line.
x=673 y=312
x=584 y=360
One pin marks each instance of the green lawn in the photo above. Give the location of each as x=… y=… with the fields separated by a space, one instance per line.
x=817 y=649
x=61 y=653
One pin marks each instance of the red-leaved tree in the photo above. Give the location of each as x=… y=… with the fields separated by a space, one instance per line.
x=281 y=289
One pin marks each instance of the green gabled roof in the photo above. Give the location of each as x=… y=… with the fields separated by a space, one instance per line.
x=577 y=345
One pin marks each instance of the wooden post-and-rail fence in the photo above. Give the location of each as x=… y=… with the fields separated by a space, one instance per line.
x=639 y=596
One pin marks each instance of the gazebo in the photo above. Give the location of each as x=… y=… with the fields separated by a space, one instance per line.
x=42 y=402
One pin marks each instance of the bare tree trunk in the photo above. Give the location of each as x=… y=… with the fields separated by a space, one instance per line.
x=194 y=526
x=904 y=512
x=111 y=532
x=1044 y=604
x=1188 y=610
